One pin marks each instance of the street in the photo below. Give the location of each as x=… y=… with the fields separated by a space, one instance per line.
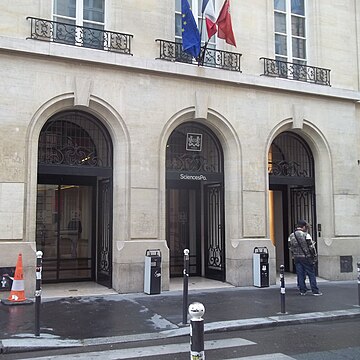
x=328 y=340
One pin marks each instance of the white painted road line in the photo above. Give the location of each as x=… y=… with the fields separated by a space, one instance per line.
x=276 y=356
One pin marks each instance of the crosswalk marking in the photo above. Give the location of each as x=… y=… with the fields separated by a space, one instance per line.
x=137 y=353
x=276 y=356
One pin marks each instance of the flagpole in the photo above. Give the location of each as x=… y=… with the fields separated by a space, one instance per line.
x=205 y=46
x=210 y=12
x=201 y=28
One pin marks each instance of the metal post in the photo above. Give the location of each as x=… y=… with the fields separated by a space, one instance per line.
x=196 y=311
x=39 y=255
x=282 y=289
x=358 y=270
x=186 y=285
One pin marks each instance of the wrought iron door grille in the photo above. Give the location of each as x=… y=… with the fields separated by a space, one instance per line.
x=178 y=159
x=303 y=207
x=290 y=156
x=105 y=234
x=293 y=71
x=70 y=34
x=215 y=256
x=74 y=139
x=225 y=60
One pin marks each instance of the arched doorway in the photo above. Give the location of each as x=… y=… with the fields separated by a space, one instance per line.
x=195 y=201
x=291 y=191
x=74 y=199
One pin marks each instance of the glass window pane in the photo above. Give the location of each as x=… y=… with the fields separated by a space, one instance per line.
x=299 y=50
x=94 y=10
x=178 y=5
x=178 y=25
x=298 y=7
x=279 y=5
x=65 y=8
x=280 y=23
x=298 y=26
x=280 y=45
x=301 y=62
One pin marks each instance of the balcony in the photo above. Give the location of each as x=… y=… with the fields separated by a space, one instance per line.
x=70 y=34
x=172 y=51
x=299 y=72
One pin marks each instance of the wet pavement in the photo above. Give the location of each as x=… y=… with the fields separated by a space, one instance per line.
x=113 y=316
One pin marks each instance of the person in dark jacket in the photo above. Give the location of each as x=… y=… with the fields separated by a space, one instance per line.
x=303 y=250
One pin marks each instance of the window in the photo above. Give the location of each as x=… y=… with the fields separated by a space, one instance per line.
x=196 y=10
x=82 y=22
x=290 y=34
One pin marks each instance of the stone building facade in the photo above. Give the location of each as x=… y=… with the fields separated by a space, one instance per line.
x=114 y=142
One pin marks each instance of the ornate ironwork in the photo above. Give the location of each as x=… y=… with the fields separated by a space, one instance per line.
x=172 y=51
x=190 y=162
x=72 y=154
x=209 y=159
x=290 y=156
x=303 y=207
x=104 y=246
x=70 y=34
x=286 y=168
x=293 y=71
x=215 y=257
x=65 y=141
x=215 y=240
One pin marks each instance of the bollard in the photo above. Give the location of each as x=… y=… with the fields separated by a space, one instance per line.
x=196 y=311
x=186 y=284
x=358 y=269
x=282 y=288
x=39 y=255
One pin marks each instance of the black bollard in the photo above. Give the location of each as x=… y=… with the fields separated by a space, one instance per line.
x=186 y=284
x=282 y=288
x=358 y=270
x=39 y=255
x=196 y=311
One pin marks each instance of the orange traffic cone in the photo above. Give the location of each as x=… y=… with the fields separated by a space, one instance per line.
x=17 y=293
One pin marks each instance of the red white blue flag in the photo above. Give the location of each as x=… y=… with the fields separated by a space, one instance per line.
x=210 y=19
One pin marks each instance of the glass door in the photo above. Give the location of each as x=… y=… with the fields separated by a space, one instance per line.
x=183 y=229
x=64 y=229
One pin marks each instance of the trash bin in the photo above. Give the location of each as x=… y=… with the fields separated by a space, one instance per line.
x=152 y=273
x=261 y=267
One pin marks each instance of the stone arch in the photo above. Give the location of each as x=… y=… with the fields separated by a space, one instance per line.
x=231 y=148
x=115 y=125
x=321 y=153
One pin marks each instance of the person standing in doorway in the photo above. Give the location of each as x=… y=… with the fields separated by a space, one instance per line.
x=303 y=250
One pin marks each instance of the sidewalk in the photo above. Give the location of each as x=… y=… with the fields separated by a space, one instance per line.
x=115 y=318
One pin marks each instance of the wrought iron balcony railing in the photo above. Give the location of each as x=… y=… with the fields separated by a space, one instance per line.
x=70 y=34
x=299 y=72
x=172 y=51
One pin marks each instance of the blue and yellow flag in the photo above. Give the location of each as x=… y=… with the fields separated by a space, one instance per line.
x=190 y=33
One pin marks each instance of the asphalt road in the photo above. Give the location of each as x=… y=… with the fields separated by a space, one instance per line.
x=331 y=340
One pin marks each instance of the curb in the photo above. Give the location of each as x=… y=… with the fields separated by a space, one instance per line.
x=281 y=320
x=32 y=343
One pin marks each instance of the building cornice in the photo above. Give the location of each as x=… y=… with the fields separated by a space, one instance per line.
x=103 y=58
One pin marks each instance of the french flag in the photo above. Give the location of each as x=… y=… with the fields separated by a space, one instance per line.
x=210 y=19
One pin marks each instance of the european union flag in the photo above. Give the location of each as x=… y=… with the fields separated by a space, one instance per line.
x=190 y=34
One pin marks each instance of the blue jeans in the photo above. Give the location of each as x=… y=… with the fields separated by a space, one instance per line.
x=305 y=267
